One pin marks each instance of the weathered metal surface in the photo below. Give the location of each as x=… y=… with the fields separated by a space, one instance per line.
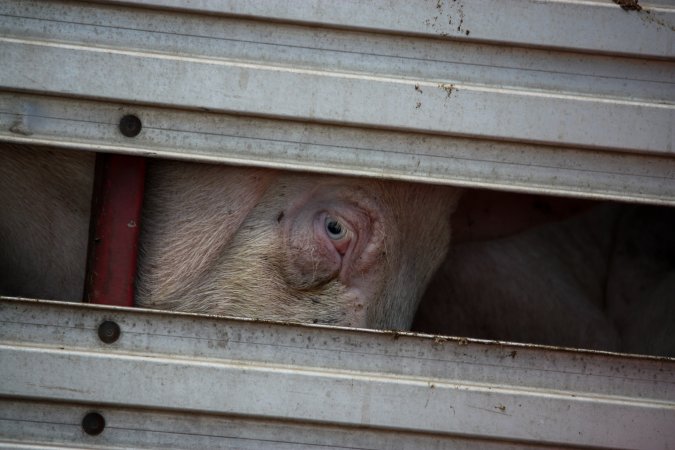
x=215 y=381
x=372 y=101
x=378 y=97
x=239 y=140
x=506 y=106
x=593 y=26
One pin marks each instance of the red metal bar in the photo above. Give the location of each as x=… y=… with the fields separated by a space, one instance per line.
x=115 y=226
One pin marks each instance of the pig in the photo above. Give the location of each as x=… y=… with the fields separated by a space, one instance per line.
x=45 y=198
x=593 y=275
x=236 y=241
x=299 y=247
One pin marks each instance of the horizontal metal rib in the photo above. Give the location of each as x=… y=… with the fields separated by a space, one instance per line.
x=387 y=100
x=400 y=383
x=591 y=25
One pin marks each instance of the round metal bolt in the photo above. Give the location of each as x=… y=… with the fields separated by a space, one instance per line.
x=130 y=125
x=109 y=331
x=93 y=423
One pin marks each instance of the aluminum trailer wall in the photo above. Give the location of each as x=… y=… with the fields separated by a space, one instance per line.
x=562 y=97
x=188 y=381
x=527 y=95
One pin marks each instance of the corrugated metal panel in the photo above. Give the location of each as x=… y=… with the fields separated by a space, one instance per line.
x=175 y=380
x=580 y=101
x=591 y=25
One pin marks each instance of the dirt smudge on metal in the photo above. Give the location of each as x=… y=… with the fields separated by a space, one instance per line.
x=629 y=5
x=449 y=88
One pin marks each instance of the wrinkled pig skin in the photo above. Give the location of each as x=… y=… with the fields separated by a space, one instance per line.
x=231 y=240
x=597 y=275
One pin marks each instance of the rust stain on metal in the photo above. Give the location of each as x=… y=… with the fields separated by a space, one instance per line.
x=629 y=5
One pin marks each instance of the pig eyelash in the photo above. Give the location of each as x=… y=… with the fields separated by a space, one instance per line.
x=334 y=228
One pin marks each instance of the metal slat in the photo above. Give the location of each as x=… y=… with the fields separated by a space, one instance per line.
x=459 y=111
x=594 y=26
x=233 y=139
x=288 y=45
x=319 y=377
x=129 y=428
x=364 y=101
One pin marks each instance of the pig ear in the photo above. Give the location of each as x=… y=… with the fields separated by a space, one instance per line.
x=485 y=215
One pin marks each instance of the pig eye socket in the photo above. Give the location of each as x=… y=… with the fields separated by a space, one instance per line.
x=335 y=229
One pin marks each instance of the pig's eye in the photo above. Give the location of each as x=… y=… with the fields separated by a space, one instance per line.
x=335 y=229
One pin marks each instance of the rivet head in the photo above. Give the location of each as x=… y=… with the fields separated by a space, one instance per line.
x=109 y=331
x=130 y=125
x=93 y=423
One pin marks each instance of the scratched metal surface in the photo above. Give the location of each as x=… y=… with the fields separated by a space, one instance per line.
x=579 y=102
x=186 y=381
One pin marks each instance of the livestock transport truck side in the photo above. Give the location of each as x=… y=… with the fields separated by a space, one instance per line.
x=551 y=97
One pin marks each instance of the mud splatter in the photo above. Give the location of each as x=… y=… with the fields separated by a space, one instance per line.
x=447 y=87
x=629 y=5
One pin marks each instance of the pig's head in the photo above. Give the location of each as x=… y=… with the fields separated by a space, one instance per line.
x=288 y=246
